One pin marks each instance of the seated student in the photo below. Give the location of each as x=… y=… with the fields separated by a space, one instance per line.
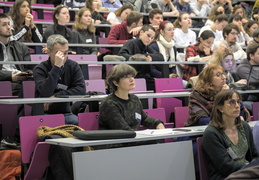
x=201 y=51
x=119 y=15
x=238 y=9
x=166 y=6
x=121 y=33
x=242 y=38
x=250 y=27
x=183 y=6
x=165 y=45
x=58 y=76
x=155 y=17
x=214 y=12
x=142 y=6
x=210 y=82
x=141 y=46
x=226 y=4
x=60 y=18
x=230 y=33
x=200 y=8
x=224 y=57
x=12 y=50
x=255 y=37
x=122 y=110
x=216 y=27
x=183 y=35
x=84 y=31
x=22 y=23
x=227 y=141
x=111 y=4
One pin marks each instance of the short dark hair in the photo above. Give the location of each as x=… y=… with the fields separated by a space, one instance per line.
x=133 y=17
x=3 y=15
x=117 y=72
x=228 y=28
x=216 y=115
x=251 y=49
x=146 y=27
x=153 y=12
x=235 y=17
x=221 y=17
x=206 y=35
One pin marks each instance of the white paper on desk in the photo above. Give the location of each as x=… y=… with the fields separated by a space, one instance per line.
x=154 y=132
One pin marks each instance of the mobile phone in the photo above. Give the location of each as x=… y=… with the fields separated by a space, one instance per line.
x=185 y=130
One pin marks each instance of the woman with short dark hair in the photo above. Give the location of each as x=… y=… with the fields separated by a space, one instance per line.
x=122 y=110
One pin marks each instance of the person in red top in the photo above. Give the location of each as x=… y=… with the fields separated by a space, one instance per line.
x=200 y=51
x=120 y=33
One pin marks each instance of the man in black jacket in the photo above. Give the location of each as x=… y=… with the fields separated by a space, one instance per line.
x=58 y=76
x=11 y=50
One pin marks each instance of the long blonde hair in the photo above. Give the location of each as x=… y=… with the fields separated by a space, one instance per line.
x=78 y=25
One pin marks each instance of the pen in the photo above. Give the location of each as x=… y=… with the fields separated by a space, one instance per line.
x=152 y=132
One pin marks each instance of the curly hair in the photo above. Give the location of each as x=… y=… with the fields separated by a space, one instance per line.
x=205 y=80
x=18 y=20
x=78 y=25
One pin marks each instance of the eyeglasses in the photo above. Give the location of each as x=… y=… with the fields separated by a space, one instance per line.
x=220 y=74
x=234 y=34
x=233 y=102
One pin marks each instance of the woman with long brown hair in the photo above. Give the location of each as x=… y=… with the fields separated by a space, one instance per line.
x=22 y=23
x=84 y=30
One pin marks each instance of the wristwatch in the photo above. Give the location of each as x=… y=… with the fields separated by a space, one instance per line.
x=113 y=2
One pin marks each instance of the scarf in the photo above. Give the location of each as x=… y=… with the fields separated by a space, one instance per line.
x=163 y=45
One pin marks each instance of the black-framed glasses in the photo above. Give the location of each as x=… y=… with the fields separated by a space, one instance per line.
x=233 y=102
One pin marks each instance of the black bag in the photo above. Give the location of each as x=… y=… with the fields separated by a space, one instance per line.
x=79 y=106
x=104 y=134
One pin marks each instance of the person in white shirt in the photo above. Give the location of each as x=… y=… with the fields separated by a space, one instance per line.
x=219 y=23
x=183 y=35
x=230 y=33
x=120 y=14
x=250 y=28
x=200 y=8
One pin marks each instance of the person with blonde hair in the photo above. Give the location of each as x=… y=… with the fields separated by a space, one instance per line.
x=120 y=14
x=84 y=30
x=224 y=57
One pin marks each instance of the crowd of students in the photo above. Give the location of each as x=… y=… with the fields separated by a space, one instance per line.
x=220 y=44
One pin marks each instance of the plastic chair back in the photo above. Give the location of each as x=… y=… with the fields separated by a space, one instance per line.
x=162 y=84
x=39 y=57
x=202 y=160
x=94 y=70
x=159 y=113
x=28 y=92
x=34 y=152
x=28 y=131
x=256 y=135
x=255 y=107
x=95 y=85
x=88 y=121
x=181 y=115
x=6 y=88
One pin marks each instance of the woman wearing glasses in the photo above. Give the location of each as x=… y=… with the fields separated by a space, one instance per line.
x=227 y=141
x=210 y=82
